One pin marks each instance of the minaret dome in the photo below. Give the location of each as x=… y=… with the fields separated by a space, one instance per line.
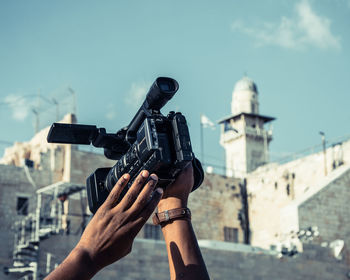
x=245 y=97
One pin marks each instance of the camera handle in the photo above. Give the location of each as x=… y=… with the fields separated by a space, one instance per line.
x=114 y=144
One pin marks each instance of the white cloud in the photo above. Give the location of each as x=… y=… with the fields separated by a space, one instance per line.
x=137 y=94
x=111 y=112
x=19 y=106
x=304 y=29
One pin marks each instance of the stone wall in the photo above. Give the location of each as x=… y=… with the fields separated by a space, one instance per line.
x=14 y=183
x=215 y=205
x=274 y=190
x=148 y=260
x=329 y=210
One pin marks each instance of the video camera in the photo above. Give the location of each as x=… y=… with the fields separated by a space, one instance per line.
x=154 y=142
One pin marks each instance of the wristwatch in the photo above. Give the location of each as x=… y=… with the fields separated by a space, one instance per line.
x=169 y=215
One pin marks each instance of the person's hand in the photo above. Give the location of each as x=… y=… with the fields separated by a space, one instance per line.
x=109 y=235
x=176 y=195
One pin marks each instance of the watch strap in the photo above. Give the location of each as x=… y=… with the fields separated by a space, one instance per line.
x=169 y=215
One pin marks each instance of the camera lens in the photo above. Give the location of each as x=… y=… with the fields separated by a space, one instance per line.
x=166 y=85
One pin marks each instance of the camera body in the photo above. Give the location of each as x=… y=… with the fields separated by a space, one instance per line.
x=154 y=142
x=162 y=146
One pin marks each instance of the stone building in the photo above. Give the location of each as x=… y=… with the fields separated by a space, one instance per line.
x=261 y=221
x=243 y=135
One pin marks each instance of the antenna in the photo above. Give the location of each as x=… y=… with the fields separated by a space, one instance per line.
x=36 y=112
x=37 y=121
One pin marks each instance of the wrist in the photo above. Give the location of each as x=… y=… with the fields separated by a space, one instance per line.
x=78 y=265
x=84 y=261
x=171 y=203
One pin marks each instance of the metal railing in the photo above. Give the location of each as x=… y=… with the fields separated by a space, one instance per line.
x=35 y=227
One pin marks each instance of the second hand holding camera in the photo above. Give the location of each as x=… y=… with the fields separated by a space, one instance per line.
x=154 y=142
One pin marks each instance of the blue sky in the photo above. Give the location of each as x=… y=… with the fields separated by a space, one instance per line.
x=109 y=52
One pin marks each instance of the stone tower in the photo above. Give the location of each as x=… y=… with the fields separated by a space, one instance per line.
x=243 y=135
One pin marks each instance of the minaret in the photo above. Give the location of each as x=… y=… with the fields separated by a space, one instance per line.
x=243 y=136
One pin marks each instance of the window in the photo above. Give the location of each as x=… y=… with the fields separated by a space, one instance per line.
x=231 y=234
x=253 y=108
x=152 y=232
x=29 y=163
x=228 y=126
x=22 y=206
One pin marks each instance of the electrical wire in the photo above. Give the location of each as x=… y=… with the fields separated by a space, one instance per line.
x=4 y=142
x=18 y=98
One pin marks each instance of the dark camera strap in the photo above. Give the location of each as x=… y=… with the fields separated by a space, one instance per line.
x=198 y=173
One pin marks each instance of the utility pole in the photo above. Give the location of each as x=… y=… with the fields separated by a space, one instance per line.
x=205 y=122
x=57 y=108
x=36 y=125
x=36 y=113
x=74 y=109
x=324 y=151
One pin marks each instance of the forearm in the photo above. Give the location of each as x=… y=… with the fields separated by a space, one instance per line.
x=77 y=266
x=185 y=258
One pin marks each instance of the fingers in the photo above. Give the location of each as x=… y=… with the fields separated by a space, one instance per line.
x=151 y=205
x=113 y=197
x=134 y=190
x=144 y=196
